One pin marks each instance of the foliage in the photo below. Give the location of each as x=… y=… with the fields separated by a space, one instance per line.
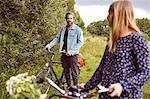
x=102 y=28
x=23 y=86
x=22 y=30
x=78 y=20
x=144 y=25
x=26 y=26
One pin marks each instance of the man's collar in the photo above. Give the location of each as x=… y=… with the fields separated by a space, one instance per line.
x=72 y=27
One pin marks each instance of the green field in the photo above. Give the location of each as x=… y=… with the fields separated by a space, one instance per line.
x=92 y=51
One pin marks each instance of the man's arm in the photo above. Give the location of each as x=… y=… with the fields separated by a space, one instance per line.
x=54 y=41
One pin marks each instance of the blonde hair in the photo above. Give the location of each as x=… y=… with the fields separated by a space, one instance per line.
x=122 y=21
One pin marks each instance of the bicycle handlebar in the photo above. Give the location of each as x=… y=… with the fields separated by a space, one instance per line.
x=52 y=52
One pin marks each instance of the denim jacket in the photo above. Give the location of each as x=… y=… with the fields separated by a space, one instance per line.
x=74 y=41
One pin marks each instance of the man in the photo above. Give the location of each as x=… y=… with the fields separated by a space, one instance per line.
x=71 y=40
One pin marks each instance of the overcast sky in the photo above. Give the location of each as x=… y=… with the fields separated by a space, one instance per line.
x=94 y=10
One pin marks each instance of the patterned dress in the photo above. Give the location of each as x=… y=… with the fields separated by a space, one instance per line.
x=128 y=65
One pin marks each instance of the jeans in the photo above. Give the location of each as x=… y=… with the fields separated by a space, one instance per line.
x=70 y=65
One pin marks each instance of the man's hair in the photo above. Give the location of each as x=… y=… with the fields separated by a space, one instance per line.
x=69 y=13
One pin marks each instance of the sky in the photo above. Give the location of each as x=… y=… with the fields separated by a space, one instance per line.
x=95 y=10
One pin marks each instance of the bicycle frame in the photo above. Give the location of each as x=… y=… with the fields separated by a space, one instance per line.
x=49 y=72
x=75 y=95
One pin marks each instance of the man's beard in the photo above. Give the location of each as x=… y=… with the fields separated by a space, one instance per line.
x=69 y=23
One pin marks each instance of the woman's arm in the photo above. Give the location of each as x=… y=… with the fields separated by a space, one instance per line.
x=141 y=54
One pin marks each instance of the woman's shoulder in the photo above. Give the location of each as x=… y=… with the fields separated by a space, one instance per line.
x=138 y=39
x=137 y=36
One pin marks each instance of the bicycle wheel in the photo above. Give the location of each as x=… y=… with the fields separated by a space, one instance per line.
x=40 y=76
x=62 y=83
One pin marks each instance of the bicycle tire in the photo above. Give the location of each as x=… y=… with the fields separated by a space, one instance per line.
x=50 y=73
x=40 y=77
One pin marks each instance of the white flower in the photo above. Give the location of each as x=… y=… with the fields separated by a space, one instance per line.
x=7 y=82
x=10 y=92
x=22 y=75
x=18 y=90
x=21 y=85
x=13 y=78
x=34 y=77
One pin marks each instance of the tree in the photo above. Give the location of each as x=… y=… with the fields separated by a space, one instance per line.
x=102 y=28
x=99 y=28
x=78 y=20
x=26 y=26
x=144 y=25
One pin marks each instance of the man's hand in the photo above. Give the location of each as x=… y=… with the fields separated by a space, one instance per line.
x=67 y=53
x=117 y=90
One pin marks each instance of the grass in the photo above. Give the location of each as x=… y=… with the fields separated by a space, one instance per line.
x=92 y=52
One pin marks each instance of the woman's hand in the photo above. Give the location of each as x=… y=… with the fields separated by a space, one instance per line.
x=82 y=85
x=117 y=90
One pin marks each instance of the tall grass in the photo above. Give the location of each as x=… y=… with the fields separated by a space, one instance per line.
x=92 y=52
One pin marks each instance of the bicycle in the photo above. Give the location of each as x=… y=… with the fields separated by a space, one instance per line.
x=76 y=93
x=48 y=71
x=46 y=79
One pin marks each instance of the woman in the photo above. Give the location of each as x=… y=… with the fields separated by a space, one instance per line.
x=124 y=66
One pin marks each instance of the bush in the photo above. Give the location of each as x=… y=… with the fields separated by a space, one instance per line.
x=23 y=86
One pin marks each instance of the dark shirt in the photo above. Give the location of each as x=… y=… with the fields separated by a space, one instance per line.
x=128 y=65
x=65 y=40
